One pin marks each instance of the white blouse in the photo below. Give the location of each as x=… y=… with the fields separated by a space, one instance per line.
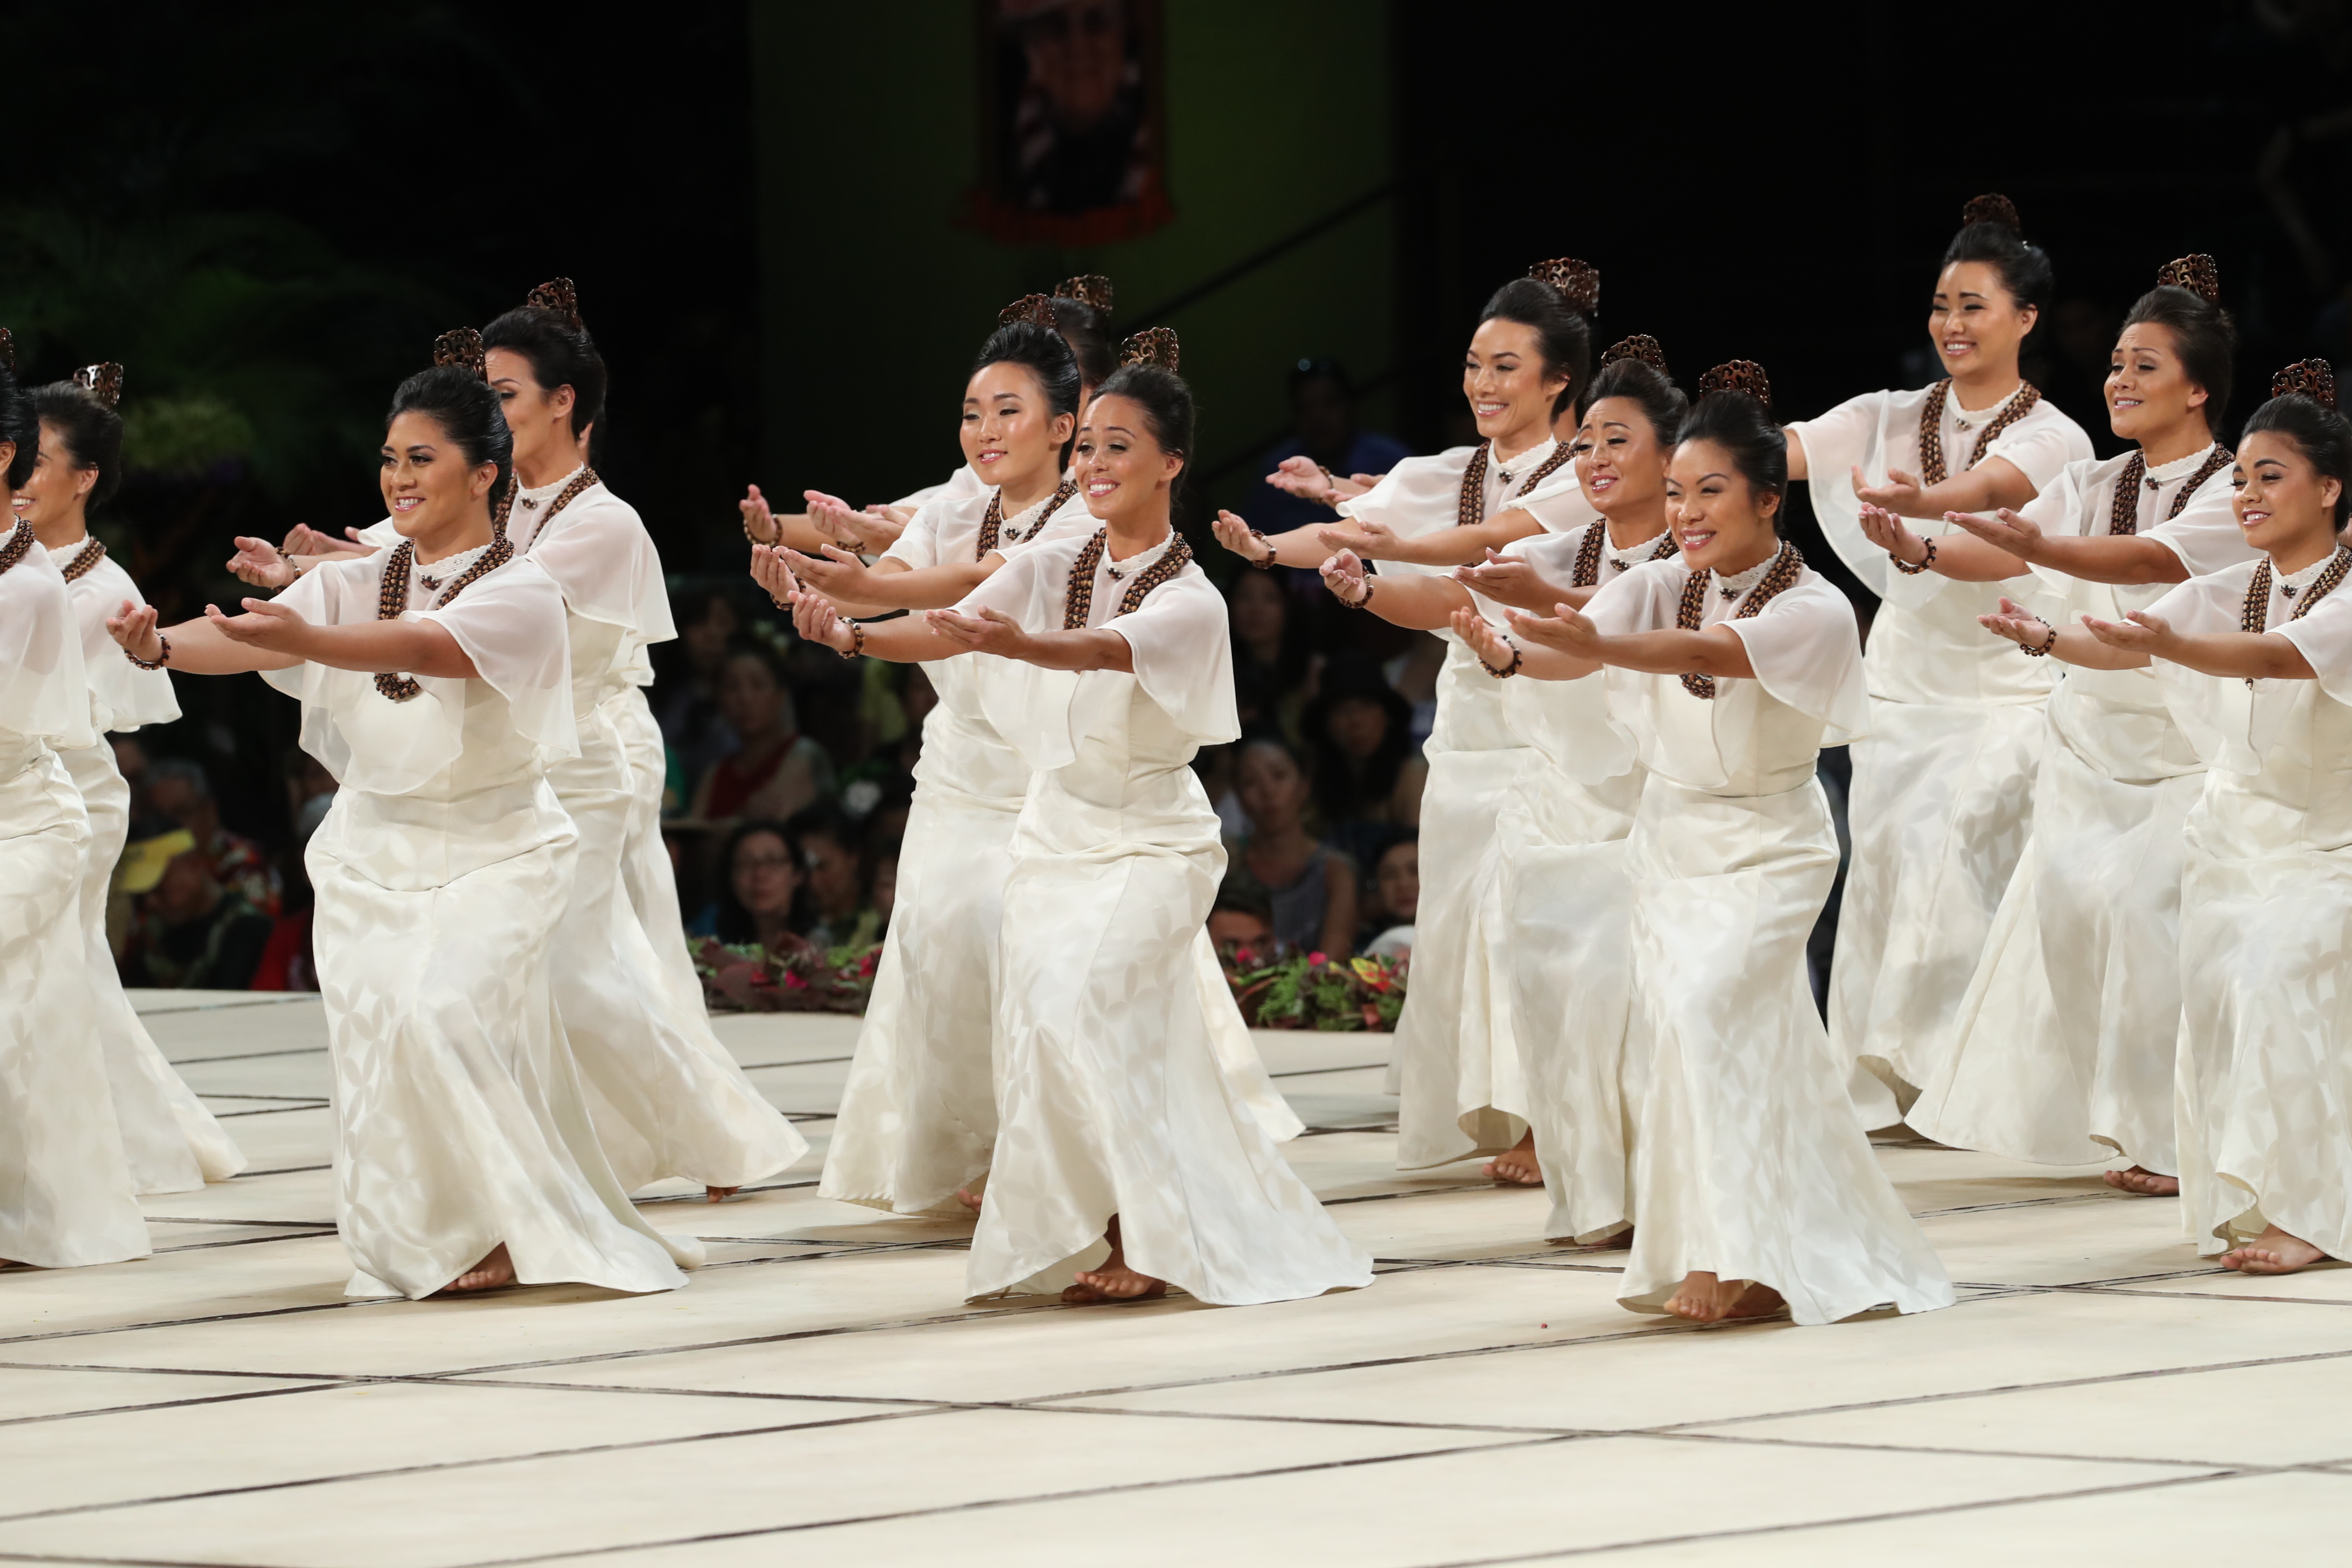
x=44 y=685
x=2235 y=724
x=123 y=696
x=945 y=530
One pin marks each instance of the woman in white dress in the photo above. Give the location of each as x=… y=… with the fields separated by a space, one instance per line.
x=2063 y=1052
x=66 y=1195
x=1454 y=1065
x=466 y=1154
x=1754 y=1189
x=670 y=1100
x=173 y=1143
x=1122 y=1152
x=1943 y=785
x=2256 y=663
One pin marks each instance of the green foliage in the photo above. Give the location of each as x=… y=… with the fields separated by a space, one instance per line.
x=798 y=978
x=1312 y=991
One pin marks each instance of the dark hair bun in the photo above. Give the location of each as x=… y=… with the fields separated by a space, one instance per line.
x=2199 y=274
x=1993 y=208
x=1035 y=309
x=2311 y=378
x=103 y=382
x=463 y=348
x=1641 y=347
x=559 y=296
x=1091 y=289
x=1577 y=282
x=1153 y=345
x=1744 y=376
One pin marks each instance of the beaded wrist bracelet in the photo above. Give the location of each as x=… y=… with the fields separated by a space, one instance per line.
x=158 y=661
x=1910 y=571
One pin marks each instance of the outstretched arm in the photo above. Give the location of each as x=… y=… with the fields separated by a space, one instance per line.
x=1994 y=483
x=1959 y=556
x=273 y=636
x=2244 y=655
x=2069 y=645
x=889 y=585
x=1402 y=598
x=1445 y=547
x=992 y=631
x=1509 y=580
x=1300 y=547
x=2124 y=558
x=1717 y=650
x=1496 y=651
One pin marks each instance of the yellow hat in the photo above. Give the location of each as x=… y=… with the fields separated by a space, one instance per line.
x=143 y=863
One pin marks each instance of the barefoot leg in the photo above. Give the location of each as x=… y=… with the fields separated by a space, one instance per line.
x=1517 y=1167
x=2145 y=1182
x=495 y=1269
x=1114 y=1282
x=1705 y=1298
x=2273 y=1252
x=720 y=1194
x=968 y=1199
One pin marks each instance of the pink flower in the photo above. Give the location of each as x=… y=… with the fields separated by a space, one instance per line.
x=792 y=982
x=1318 y=959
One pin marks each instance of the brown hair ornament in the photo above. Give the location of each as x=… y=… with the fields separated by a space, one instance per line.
x=1641 y=346
x=1994 y=208
x=461 y=347
x=2311 y=378
x=2199 y=274
x=1153 y=345
x=1577 y=282
x=103 y=382
x=1089 y=289
x=1744 y=376
x=559 y=296
x=1035 y=309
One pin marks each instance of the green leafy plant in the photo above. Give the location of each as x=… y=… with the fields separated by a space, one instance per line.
x=1315 y=990
x=798 y=978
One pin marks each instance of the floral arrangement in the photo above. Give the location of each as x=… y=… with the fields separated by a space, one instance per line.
x=1315 y=991
x=798 y=978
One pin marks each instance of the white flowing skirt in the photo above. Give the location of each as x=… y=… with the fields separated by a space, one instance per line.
x=1461 y=1091
x=668 y=1099
x=2064 y=1054
x=1748 y=1162
x=1942 y=798
x=460 y=1120
x=2265 y=1050
x=1113 y=1100
x=646 y=874
x=171 y=1142
x=65 y=1196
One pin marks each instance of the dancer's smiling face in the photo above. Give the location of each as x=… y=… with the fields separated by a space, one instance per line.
x=1121 y=465
x=2148 y=391
x=2285 y=504
x=1509 y=388
x=428 y=486
x=1719 y=518
x=1974 y=320
x=1621 y=456
x=1011 y=435
x=59 y=483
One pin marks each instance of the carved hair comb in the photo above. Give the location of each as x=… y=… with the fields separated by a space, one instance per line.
x=1744 y=376
x=1153 y=345
x=103 y=382
x=1577 y=282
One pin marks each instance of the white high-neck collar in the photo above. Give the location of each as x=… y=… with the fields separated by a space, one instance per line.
x=539 y=493
x=1141 y=561
x=1732 y=587
x=1526 y=463
x=1969 y=419
x=2180 y=467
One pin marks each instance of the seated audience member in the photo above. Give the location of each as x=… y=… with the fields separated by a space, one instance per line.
x=309 y=791
x=1311 y=887
x=194 y=935
x=1392 y=900
x=180 y=790
x=1241 y=920
x=685 y=695
x=1322 y=430
x=1274 y=665
x=1368 y=769
x=841 y=914
x=776 y=771
x=758 y=890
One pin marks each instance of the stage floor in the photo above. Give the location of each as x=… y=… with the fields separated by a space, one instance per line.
x=820 y=1395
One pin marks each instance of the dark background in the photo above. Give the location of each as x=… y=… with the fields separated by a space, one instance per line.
x=268 y=212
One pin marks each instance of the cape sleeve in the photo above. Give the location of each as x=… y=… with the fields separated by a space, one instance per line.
x=1419 y=495
x=1807 y=653
x=2206 y=535
x=123 y=697
x=2040 y=445
x=962 y=485
x=1183 y=656
x=1030 y=708
x=2058 y=508
x=2324 y=639
x=44 y=687
x=381 y=535
x=1559 y=503
x=1834 y=444
x=918 y=545
x=510 y=624
x=2217 y=714
x=603 y=561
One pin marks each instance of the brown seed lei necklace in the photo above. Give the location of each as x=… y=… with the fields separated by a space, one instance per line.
x=1078 y=599
x=1783 y=573
x=991 y=522
x=583 y=481
x=2123 y=516
x=19 y=542
x=2255 y=617
x=1587 y=573
x=1931 y=429
x=1471 y=511
x=391 y=602
x=85 y=559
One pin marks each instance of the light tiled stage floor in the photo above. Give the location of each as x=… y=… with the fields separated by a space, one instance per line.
x=821 y=1395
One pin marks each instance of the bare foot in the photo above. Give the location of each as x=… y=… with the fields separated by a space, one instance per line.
x=495 y=1269
x=968 y=1199
x=1114 y=1282
x=1517 y=1167
x=720 y=1194
x=2273 y=1252
x=2145 y=1182
x=1704 y=1299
